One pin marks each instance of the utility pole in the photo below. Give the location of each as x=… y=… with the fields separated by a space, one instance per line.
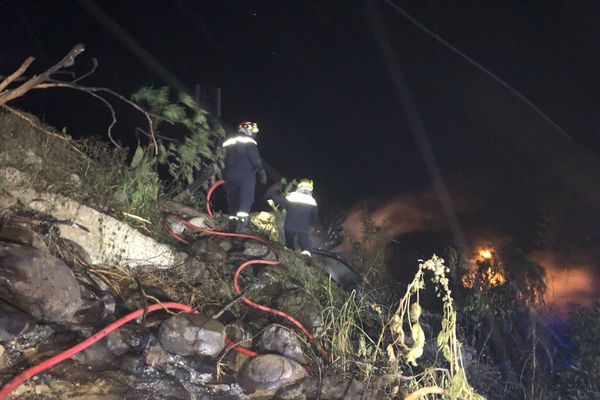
x=209 y=98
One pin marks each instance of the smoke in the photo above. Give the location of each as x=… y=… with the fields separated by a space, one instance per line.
x=569 y=282
x=412 y=212
x=570 y=279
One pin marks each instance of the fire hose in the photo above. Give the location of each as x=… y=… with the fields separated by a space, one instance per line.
x=36 y=369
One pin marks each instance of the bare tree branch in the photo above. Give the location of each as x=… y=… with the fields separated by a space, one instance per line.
x=20 y=71
x=92 y=90
x=35 y=80
x=45 y=81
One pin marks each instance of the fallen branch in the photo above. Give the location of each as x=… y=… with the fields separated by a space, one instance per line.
x=20 y=71
x=45 y=81
x=35 y=80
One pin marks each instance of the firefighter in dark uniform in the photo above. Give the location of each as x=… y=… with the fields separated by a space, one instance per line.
x=242 y=165
x=301 y=212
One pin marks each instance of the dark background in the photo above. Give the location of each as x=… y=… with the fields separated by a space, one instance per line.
x=312 y=75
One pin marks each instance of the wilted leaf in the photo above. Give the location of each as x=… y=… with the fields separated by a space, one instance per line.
x=137 y=157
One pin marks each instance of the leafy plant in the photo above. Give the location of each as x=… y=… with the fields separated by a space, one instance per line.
x=579 y=378
x=402 y=350
x=143 y=185
x=199 y=148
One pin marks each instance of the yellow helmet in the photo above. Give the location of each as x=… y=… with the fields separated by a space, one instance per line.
x=305 y=184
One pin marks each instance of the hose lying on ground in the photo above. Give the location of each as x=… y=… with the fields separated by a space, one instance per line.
x=36 y=369
x=236 y=286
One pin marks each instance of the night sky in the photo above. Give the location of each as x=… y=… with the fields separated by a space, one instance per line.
x=312 y=75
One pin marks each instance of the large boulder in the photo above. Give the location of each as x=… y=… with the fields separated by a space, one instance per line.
x=265 y=374
x=109 y=241
x=191 y=334
x=38 y=283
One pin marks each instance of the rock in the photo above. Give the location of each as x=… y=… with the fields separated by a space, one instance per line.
x=303 y=307
x=332 y=388
x=204 y=222
x=74 y=180
x=97 y=307
x=75 y=256
x=193 y=369
x=38 y=283
x=209 y=250
x=97 y=357
x=265 y=374
x=31 y=158
x=12 y=177
x=238 y=333
x=132 y=363
x=186 y=334
x=13 y=322
x=131 y=338
x=90 y=313
x=280 y=340
x=22 y=235
x=254 y=248
x=109 y=240
x=195 y=270
x=41 y=389
x=6 y=201
x=224 y=243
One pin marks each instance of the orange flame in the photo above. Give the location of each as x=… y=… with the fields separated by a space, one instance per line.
x=486 y=278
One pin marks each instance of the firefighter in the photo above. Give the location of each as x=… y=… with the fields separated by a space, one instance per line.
x=301 y=213
x=242 y=165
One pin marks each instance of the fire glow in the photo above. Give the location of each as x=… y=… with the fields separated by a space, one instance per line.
x=568 y=283
x=484 y=277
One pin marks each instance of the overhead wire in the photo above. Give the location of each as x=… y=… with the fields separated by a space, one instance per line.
x=478 y=65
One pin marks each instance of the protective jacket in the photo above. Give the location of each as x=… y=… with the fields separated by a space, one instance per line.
x=301 y=208
x=241 y=156
x=242 y=161
x=301 y=212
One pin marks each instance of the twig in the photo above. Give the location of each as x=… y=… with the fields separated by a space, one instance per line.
x=92 y=91
x=424 y=392
x=157 y=301
x=94 y=66
x=136 y=218
x=230 y=304
x=144 y=298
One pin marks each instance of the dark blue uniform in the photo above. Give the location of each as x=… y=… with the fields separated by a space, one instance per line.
x=302 y=211
x=242 y=161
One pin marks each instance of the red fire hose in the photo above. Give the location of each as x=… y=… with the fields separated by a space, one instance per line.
x=236 y=286
x=36 y=369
